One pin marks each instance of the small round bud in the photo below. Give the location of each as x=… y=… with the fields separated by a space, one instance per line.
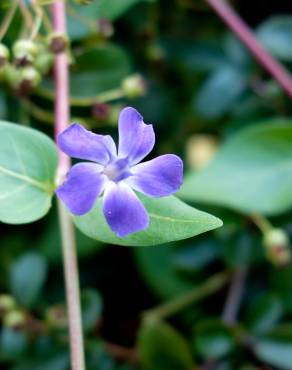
x=58 y=42
x=276 y=242
x=12 y=76
x=134 y=86
x=83 y=2
x=15 y=319
x=24 y=52
x=100 y=111
x=44 y=62
x=105 y=27
x=7 y=303
x=23 y=80
x=4 y=55
x=56 y=317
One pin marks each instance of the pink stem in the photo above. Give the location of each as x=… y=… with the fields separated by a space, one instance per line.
x=62 y=115
x=62 y=107
x=244 y=33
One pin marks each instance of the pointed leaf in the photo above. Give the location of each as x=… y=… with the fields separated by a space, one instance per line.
x=251 y=172
x=170 y=219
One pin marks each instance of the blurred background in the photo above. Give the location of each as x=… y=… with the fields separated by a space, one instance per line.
x=219 y=301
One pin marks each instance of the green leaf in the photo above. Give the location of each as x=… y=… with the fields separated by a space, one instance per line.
x=91 y=308
x=170 y=219
x=156 y=267
x=58 y=361
x=250 y=173
x=161 y=347
x=12 y=344
x=275 y=347
x=28 y=161
x=210 y=101
x=82 y=19
x=27 y=277
x=263 y=313
x=99 y=69
x=276 y=36
x=212 y=339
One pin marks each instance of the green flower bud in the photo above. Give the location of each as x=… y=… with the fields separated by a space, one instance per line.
x=56 y=317
x=4 y=55
x=276 y=242
x=7 y=303
x=15 y=319
x=23 y=80
x=44 y=62
x=134 y=86
x=12 y=76
x=58 y=42
x=24 y=52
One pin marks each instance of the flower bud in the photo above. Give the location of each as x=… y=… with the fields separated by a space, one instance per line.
x=134 y=86
x=56 y=317
x=58 y=42
x=23 y=80
x=15 y=319
x=44 y=62
x=24 y=52
x=276 y=242
x=12 y=76
x=7 y=303
x=100 y=111
x=4 y=55
x=105 y=27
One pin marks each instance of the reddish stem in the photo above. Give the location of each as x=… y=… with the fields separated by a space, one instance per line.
x=62 y=114
x=244 y=33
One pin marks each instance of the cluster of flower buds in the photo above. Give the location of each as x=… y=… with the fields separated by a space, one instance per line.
x=277 y=246
x=30 y=61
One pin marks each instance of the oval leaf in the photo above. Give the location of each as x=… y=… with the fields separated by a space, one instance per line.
x=27 y=277
x=161 y=347
x=28 y=161
x=170 y=219
x=276 y=35
x=211 y=102
x=251 y=172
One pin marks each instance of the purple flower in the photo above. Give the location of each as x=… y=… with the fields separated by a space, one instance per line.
x=116 y=173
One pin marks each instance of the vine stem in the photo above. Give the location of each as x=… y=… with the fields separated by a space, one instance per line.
x=244 y=33
x=8 y=19
x=210 y=286
x=62 y=114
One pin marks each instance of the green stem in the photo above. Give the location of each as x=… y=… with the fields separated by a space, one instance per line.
x=8 y=19
x=104 y=97
x=262 y=223
x=213 y=284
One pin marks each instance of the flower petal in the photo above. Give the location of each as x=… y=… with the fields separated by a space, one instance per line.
x=83 y=185
x=123 y=211
x=136 y=139
x=78 y=142
x=159 y=177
